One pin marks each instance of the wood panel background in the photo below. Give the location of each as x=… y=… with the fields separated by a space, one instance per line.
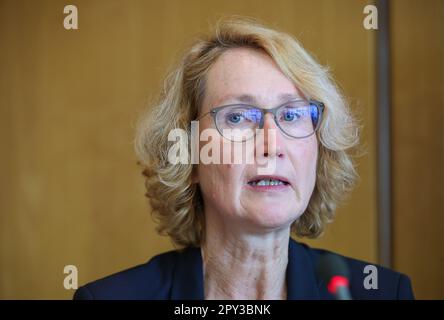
x=71 y=192
x=418 y=143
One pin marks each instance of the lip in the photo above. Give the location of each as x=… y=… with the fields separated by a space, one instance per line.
x=268 y=188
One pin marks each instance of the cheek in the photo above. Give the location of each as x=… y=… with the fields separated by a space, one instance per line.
x=218 y=181
x=312 y=159
x=304 y=159
x=210 y=178
x=223 y=176
x=312 y=156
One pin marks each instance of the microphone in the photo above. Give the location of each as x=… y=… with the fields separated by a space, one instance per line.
x=333 y=270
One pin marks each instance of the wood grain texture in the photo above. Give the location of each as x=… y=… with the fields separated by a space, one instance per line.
x=418 y=143
x=71 y=192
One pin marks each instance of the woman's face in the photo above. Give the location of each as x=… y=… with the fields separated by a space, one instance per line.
x=227 y=189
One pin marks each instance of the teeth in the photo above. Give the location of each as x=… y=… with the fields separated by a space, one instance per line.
x=267 y=182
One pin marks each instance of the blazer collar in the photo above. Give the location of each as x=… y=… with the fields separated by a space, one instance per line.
x=187 y=282
x=301 y=279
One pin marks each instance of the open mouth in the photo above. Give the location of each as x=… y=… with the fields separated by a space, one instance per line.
x=265 y=182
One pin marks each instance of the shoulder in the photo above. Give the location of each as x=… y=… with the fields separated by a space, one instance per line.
x=151 y=280
x=369 y=280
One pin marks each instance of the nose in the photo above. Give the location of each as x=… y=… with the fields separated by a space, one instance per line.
x=273 y=139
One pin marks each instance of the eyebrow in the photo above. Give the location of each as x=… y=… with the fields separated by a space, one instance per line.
x=250 y=99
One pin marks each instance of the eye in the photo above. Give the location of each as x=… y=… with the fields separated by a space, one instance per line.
x=234 y=117
x=290 y=115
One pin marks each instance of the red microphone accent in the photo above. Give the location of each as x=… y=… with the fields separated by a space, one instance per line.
x=336 y=282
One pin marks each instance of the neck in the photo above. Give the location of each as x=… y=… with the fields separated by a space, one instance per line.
x=240 y=265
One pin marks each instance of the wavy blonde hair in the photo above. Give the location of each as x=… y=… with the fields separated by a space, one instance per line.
x=176 y=202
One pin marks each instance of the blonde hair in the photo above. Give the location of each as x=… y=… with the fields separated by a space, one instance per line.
x=176 y=201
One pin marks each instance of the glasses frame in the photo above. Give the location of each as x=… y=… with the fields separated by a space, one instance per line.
x=213 y=112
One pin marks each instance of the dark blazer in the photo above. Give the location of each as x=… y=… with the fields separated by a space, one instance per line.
x=179 y=275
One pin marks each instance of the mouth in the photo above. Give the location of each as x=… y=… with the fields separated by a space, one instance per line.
x=268 y=181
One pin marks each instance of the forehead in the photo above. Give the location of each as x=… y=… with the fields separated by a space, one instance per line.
x=247 y=76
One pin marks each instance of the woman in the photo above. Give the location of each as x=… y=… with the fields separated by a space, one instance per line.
x=233 y=221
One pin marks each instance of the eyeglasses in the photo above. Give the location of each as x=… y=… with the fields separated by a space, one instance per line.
x=238 y=122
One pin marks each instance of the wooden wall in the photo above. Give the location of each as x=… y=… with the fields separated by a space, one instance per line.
x=417 y=61
x=71 y=192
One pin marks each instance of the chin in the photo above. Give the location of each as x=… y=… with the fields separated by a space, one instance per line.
x=275 y=217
